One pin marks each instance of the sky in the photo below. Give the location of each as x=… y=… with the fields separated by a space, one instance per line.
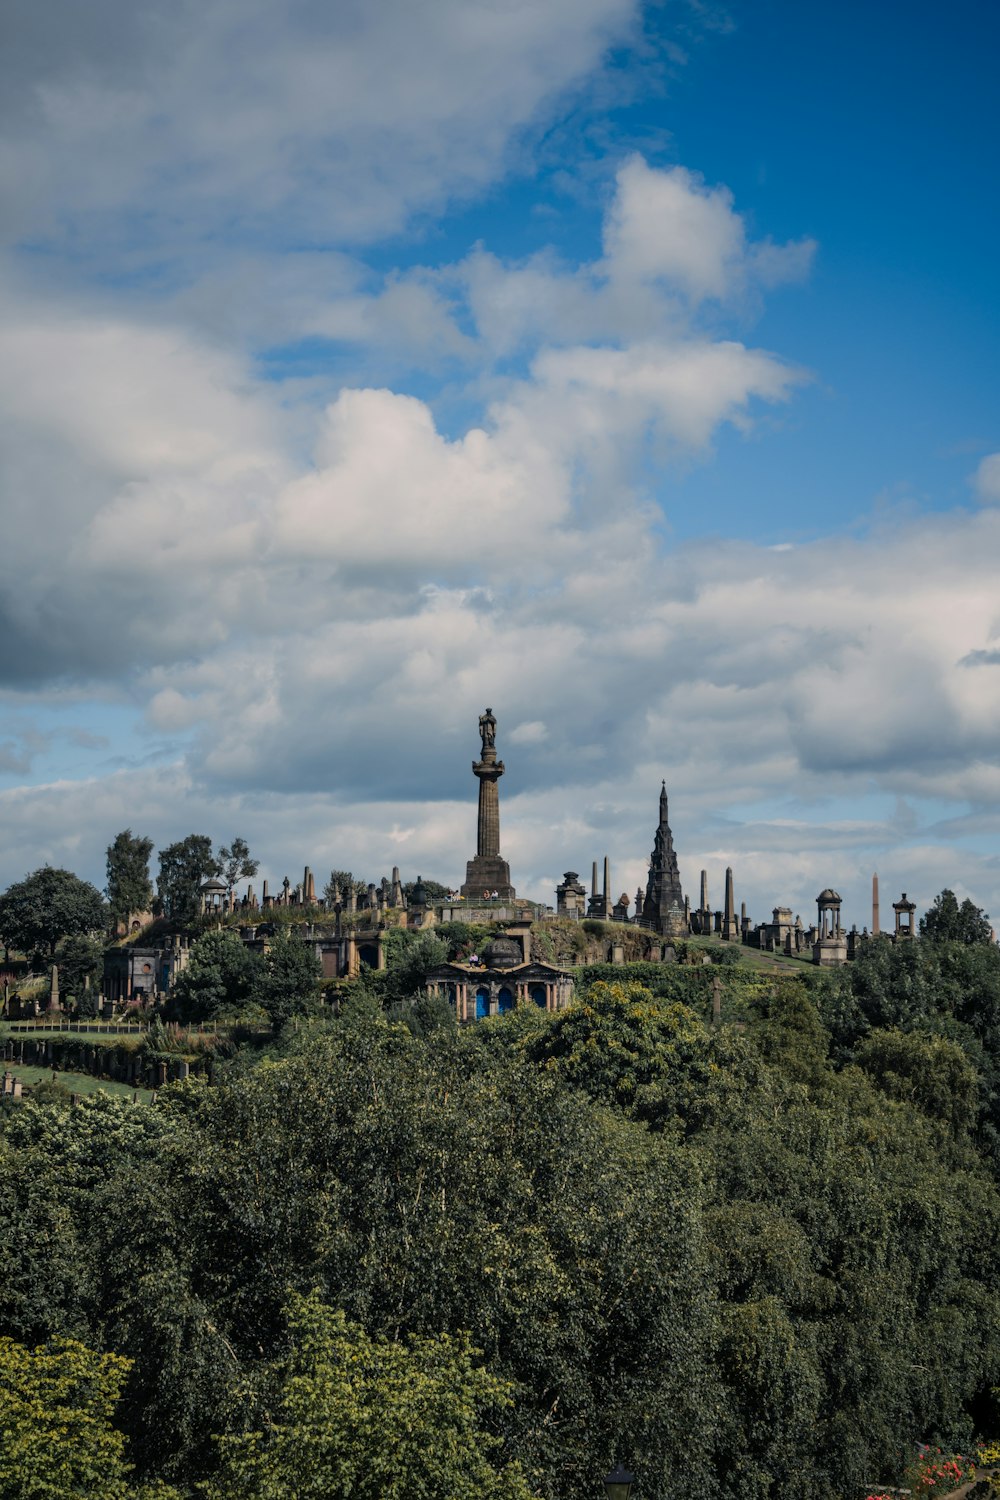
x=629 y=368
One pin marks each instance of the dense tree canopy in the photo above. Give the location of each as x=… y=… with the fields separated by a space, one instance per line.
x=129 y=888
x=225 y=978
x=946 y=921
x=46 y=906
x=752 y=1261
x=348 y=1417
x=184 y=866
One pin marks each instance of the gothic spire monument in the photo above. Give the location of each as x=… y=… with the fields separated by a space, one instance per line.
x=663 y=905
x=488 y=873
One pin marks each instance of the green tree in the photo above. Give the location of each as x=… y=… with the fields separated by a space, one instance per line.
x=183 y=868
x=409 y=957
x=928 y=1071
x=435 y=890
x=80 y=959
x=621 y=1043
x=286 y=983
x=56 y=1436
x=235 y=863
x=129 y=888
x=342 y=881
x=220 y=978
x=946 y=921
x=46 y=906
x=347 y=1415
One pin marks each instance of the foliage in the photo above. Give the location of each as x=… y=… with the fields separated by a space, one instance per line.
x=434 y=889
x=46 y=906
x=754 y=1260
x=56 y=1437
x=235 y=863
x=936 y=1473
x=129 y=888
x=946 y=921
x=409 y=957
x=80 y=958
x=619 y=1043
x=928 y=1071
x=346 y=1415
x=342 y=882
x=463 y=938
x=183 y=868
x=286 y=982
x=220 y=978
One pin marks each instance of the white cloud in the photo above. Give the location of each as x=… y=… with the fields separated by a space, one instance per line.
x=296 y=123
x=986 y=480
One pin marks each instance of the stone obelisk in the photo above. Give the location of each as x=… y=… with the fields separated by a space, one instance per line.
x=730 y=928
x=488 y=873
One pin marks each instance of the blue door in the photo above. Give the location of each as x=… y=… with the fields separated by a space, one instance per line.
x=537 y=993
x=506 y=1001
x=482 y=1003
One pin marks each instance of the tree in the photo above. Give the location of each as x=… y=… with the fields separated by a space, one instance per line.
x=46 y=906
x=287 y=981
x=220 y=978
x=56 y=1437
x=81 y=958
x=183 y=867
x=235 y=863
x=946 y=921
x=409 y=956
x=340 y=885
x=129 y=887
x=371 y=1419
x=435 y=890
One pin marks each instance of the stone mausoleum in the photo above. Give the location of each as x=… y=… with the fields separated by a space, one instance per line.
x=502 y=976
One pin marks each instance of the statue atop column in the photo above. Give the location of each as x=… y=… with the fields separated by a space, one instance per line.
x=488 y=730
x=487 y=877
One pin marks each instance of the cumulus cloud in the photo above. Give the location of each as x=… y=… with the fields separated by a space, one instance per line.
x=303 y=122
x=307 y=599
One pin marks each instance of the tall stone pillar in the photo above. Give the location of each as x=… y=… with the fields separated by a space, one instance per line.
x=488 y=872
x=730 y=926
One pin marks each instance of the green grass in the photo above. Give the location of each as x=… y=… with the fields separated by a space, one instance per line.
x=77 y=1083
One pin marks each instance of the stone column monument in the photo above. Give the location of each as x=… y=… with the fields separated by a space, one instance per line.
x=488 y=872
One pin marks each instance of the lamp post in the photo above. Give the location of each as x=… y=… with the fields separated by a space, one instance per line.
x=618 y=1483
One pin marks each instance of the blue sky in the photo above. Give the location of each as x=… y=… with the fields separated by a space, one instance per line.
x=631 y=368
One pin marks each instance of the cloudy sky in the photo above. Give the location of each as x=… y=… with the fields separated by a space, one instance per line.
x=630 y=368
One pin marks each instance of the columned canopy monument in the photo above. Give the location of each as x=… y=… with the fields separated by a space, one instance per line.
x=488 y=875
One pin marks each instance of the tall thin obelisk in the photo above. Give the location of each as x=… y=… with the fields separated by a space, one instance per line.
x=488 y=873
